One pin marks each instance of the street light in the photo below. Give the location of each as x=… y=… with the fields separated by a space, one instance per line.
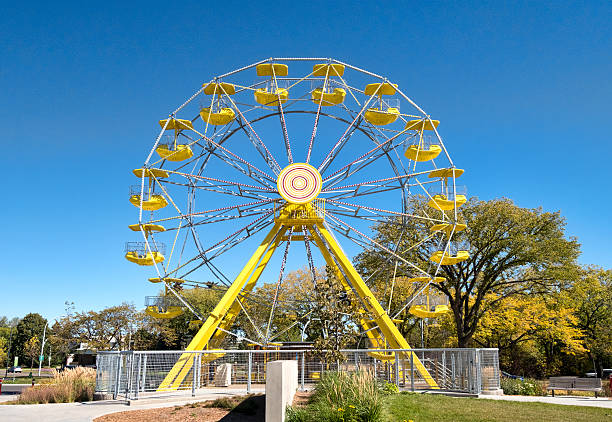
x=40 y=358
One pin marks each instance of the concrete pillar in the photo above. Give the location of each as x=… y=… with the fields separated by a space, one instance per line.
x=281 y=385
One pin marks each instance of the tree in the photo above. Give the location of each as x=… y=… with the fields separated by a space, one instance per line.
x=32 y=325
x=592 y=297
x=512 y=250
x=531 y=332
x=337 y=313
x=107 y=329
x=3 y=351
x=31 y=349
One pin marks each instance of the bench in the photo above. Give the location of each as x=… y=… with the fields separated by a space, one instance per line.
x=574 y=384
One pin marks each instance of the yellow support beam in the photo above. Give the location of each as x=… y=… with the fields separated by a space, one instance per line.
x=386 y=325
x=181 y=368
x=235 y=309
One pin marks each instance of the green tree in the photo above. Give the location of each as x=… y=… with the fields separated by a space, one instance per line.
x=110 y=328
x=336 y=312
x=512 y=250
x=32 y=325
x=591 y=296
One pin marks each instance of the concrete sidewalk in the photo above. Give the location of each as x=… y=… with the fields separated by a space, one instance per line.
x=85 y=412
x=604 y=402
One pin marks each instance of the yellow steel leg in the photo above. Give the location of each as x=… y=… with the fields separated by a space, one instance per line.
x=386 y=325
x=181 y=368
x=235 y=309
x=373 y=335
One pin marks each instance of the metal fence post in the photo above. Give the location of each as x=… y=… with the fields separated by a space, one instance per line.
x=444 y=368
x=396 y=369
x=194 y=372
x=117 y=377
x=453 y=375
x=303 y=370
x=138 y=376
x=478 y=371
x=129 y=374
x=412 y=371
x=249 y=369
x=144 y=373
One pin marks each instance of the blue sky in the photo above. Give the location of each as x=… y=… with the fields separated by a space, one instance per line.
x=523 y=90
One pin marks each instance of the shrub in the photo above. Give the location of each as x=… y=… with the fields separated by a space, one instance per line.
x=68 y=386
x=389 y=388
x=517 y=387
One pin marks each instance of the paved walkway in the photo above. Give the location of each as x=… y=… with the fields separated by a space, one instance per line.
x=604 y=402
x=86 y=412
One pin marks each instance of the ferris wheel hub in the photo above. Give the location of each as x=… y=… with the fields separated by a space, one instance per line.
x=299 y=183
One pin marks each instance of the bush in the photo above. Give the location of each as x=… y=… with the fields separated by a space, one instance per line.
x=526 y=387
x=342 y=397
x=68 y=386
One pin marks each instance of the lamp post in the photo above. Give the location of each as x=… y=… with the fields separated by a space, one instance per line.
x=40 y=358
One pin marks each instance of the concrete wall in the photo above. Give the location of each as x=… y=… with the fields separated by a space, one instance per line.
x=281 y=385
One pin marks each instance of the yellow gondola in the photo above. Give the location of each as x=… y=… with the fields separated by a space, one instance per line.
x=447 y=259
x=379 y=116
x=380 y=89
x=149 y=258
x=147 y=227
x=329 y=98
x=442 y=202
x=421 y=152
x=450 y=172
x=421 y=125
x=448 y=228
x=417 y=153
x=424 y=311
x=219 y=88
x=154 y=203
x=168 y=279
x=169 y=313
x=322 y=69
x=222 y=117
x=176 y=124
x=266 y=98
x=180 y=152
x=426 y=279
x=218 y=115
x=155 y=173
x=270 y=69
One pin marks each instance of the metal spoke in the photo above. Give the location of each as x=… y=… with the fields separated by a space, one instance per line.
x=278 y=283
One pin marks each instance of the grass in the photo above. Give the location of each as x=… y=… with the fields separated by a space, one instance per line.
x=425 y=407
x=64 y=387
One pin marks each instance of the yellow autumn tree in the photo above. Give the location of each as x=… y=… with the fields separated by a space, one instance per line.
x=530 y=332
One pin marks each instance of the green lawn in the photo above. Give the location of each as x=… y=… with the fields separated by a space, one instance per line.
x=430 y=408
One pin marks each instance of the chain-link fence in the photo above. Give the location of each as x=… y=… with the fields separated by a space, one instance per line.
x=455 y=370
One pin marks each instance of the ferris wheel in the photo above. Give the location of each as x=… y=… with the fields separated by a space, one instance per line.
x=279 y=161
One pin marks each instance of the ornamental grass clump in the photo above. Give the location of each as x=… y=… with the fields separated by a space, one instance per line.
x=342 y=397
x=64 y=387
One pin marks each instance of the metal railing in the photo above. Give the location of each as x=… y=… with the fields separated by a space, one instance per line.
x=130 y=373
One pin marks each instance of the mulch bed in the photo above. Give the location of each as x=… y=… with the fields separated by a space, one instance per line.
x=238 y=409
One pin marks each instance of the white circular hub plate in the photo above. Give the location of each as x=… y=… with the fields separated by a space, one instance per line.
x=299 y=183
